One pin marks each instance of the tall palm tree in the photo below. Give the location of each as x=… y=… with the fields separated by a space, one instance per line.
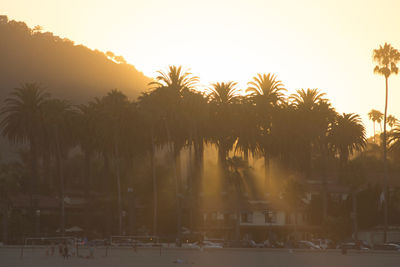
x=315 y=115
x=22 y=123
x=266 y=89
x=375 y=116
x=386 y=58
x=57 y=117
x=10 y=177
x=236 y=173
x=266 y=92
x=115 y=105
x=151 y=118
x=222 y=97
x=394 y=140
x=169 y=87
x=87 y=138
x=347 y=135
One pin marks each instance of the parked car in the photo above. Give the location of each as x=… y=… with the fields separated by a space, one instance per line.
x=253 y=244
x=307 y=245
x=323 y=243
x=211 y=244
x=354 y=244
x=387 y=246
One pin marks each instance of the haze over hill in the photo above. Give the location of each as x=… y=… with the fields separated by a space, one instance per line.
x=68 y=71
x=73 y=72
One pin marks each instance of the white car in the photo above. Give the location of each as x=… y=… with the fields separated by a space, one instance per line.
x=210 y=244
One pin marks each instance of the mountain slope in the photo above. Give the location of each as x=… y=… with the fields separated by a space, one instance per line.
x=70 y=71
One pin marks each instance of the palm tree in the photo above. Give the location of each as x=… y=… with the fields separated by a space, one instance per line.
x=22 y=123
x=375 y=116
x=293 y=194
x=315 y=115
x=386 y=58
x=115 y=105
x=237 y=168
x=391 y=121
x=266 y=92
x=151 y=118
x=10 y=176
x=347 y=135
x=222 y=96
x=57 y=117
x=168 y=89
x=87 y=138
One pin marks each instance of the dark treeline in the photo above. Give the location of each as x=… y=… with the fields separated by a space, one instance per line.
x=120 y=153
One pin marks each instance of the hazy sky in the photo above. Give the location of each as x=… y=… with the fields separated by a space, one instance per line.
x=308 y=44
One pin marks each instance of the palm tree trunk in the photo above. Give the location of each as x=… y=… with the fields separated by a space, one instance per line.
x=267 y=169
x=155 y=197
x=325 y=190
x=238 y=211
x=117 y=169
x=178 y=204
x=87 y=216
x=62 y=182
x=5 y=223
x=385 y=167
x=374 y=132
x=246 y=155
x=355 y=222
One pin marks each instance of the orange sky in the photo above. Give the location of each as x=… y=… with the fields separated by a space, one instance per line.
x=308 y=44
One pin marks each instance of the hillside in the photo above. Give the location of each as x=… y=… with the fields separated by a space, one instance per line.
x=72 y=72
x=66 y=70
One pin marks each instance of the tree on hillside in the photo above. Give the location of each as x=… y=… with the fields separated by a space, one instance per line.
x=386 y=58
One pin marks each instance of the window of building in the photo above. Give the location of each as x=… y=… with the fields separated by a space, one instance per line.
x=270 y=216
x=247 y=217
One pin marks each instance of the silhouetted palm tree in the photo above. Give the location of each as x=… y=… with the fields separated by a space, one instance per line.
x=222 y=96
x=169 y=87
x=57 y=118
x=236 y=173
x=347 y=135
x=115 y=105
x=266 y=92
x=391 y=121
x=315 y=114
x=386 y=58
x=22 y=123
x=375 y=116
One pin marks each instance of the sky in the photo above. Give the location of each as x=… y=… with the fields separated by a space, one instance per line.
x=307 y=43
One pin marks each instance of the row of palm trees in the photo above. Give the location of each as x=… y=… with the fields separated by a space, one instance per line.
x=174 y=115
x=296 y=131
x=376 y=117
